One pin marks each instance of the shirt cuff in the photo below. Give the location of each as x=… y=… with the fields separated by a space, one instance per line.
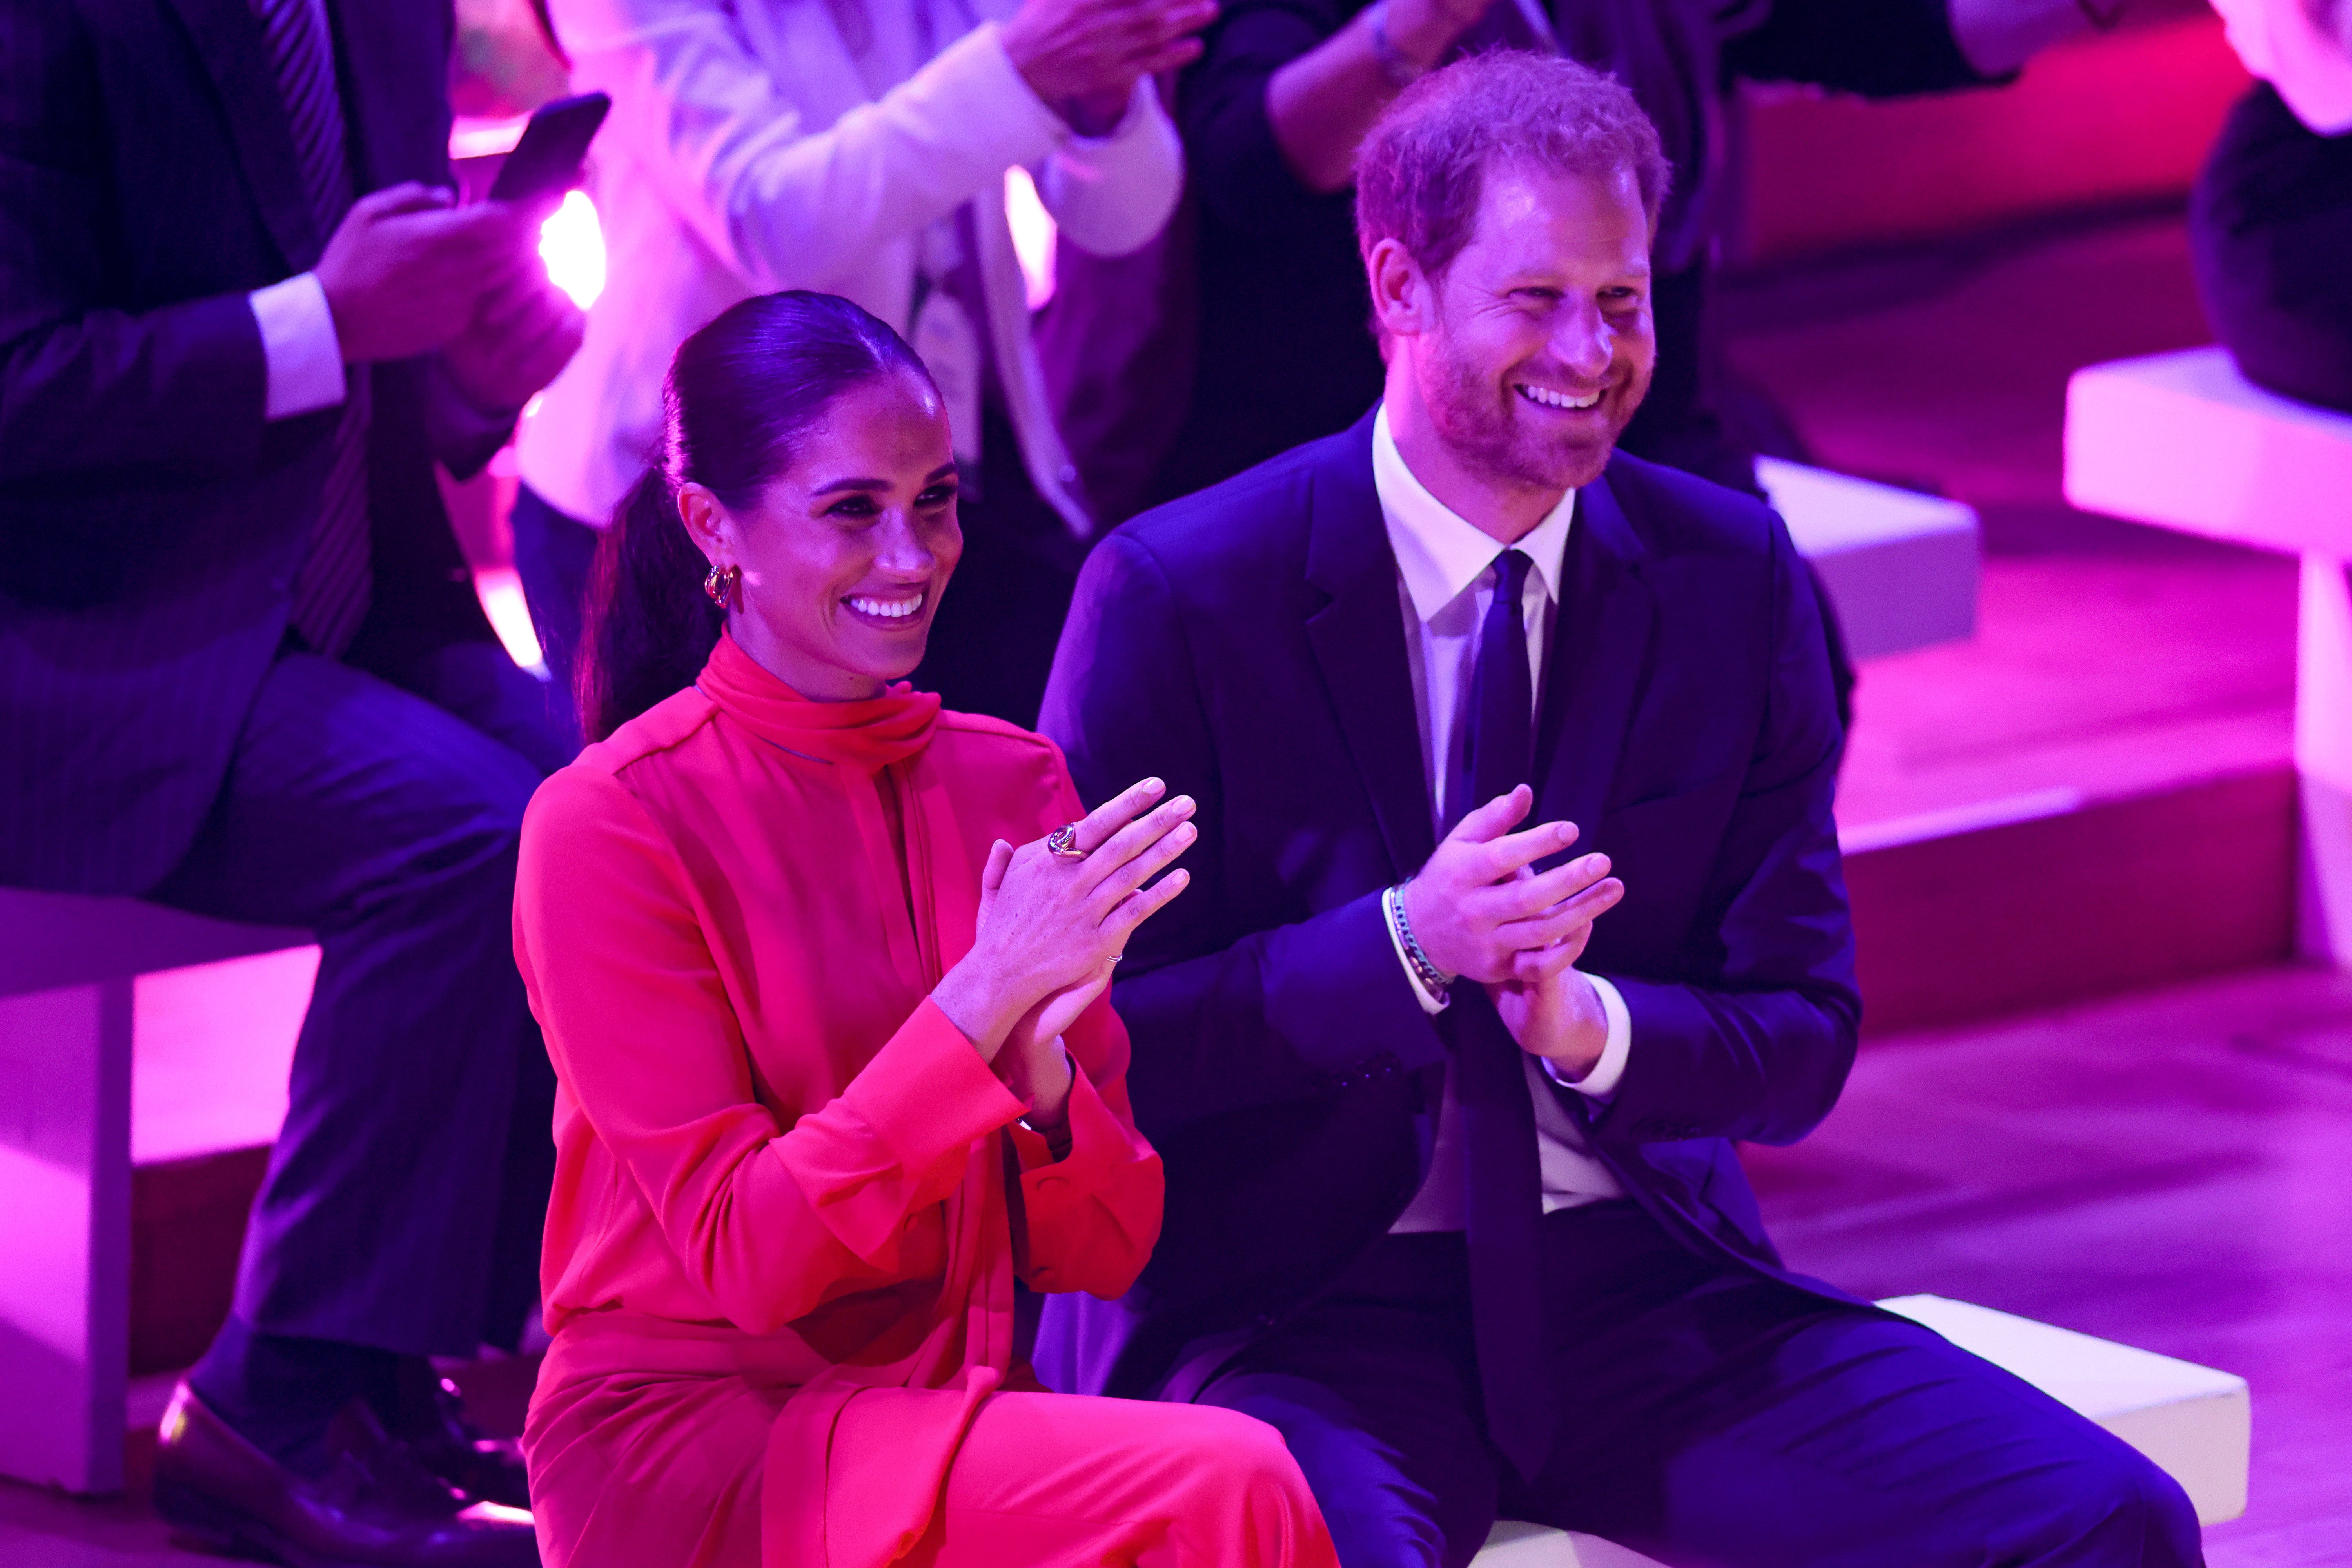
x=299 y=345
x=1602 y=1081
x=1429 y=1002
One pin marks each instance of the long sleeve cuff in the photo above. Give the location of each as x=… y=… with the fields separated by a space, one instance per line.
x=1601 y=1082
x=1092 y=1215
x=927 y=1093
x=299 y=342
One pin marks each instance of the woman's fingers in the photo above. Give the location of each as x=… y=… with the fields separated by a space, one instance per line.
x=1136 y=836
x=1097 y=828
x=1137 y=907
x=1153 y=859
x=1000 y=860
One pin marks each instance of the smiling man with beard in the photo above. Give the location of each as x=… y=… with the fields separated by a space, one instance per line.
x=1516 y=899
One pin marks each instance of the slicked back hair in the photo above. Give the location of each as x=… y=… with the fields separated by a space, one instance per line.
x=1420 y=170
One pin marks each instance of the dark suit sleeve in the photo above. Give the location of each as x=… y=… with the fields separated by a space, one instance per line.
x=1753 y=1041
x=1220 y=1021
x=1237 y=166
x=179 y=389
x=1878 y=48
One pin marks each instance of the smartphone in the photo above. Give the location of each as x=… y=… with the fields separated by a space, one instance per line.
x=546 y=162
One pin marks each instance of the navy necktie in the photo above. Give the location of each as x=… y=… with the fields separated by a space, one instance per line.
x=332 y=587
x=1503 y=1178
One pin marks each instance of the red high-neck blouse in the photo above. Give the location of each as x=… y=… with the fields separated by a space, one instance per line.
x=779 y=1165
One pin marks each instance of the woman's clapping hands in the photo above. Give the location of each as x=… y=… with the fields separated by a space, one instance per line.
x=1051 y=930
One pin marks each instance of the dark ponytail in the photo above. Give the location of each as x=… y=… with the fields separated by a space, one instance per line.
x=739 y=396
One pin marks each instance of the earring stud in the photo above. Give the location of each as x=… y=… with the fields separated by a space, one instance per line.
x=720 y=585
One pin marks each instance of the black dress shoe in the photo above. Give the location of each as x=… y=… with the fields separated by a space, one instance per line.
x=376 y=1506
x=429 y=1416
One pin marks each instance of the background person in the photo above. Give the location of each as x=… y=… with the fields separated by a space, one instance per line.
x=1446 y=1113
x=2269 y=223
x=809 y=1007
x=243 y=673
x=859 y=148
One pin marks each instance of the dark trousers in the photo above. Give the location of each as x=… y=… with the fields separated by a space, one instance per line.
x=1714 y=1417
x=381 y=809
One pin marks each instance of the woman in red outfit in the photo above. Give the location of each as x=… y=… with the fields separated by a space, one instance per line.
x=836 y=1064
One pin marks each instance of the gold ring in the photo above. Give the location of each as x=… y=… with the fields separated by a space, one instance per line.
x=1061 y=844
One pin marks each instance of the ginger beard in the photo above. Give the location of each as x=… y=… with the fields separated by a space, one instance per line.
x=1527 y=327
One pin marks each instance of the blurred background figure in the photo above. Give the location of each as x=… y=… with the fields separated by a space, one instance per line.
x=860 y=148
x=241 y=318
x=2271 y=220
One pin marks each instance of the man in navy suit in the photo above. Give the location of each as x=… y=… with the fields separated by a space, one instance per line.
x=244 y=672
x=1516 y=899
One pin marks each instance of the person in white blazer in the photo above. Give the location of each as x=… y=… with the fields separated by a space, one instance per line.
x=859 y=148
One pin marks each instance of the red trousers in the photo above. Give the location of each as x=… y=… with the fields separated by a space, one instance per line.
x=669 y=1471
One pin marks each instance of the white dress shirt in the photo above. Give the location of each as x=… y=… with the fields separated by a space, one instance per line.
x=1445 y=580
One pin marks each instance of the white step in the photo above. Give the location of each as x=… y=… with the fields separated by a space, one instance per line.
x=2183 y=440
x=1901 y=567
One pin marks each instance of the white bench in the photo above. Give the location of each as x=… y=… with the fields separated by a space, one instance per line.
x=2194 y=1422
x=1901 y=567
x=2183 y=441
x=67 y=968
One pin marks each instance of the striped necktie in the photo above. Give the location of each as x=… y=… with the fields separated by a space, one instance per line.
x=332 y=587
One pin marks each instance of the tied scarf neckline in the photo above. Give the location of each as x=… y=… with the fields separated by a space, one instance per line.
x=867 y=734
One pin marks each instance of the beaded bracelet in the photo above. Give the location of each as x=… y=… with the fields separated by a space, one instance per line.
x=1433 y=980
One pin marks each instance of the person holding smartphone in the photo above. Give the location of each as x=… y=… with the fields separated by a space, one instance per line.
x=860 y=148
x=242 y=321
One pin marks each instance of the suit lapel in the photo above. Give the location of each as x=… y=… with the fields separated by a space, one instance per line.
x=1359 y=641
x=228 y=38
x=1599 y=651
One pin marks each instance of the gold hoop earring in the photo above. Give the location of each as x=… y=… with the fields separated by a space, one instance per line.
x=720 y=585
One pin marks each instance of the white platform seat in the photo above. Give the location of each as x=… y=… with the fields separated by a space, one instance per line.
x=2194 y=1422
x=2183 y=441
x=1901 y=567
x=66 y=969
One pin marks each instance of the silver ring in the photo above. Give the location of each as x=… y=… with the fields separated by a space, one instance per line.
x=1061 y=844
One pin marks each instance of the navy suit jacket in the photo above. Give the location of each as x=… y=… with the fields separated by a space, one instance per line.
x=1247 y=644
x=150 y=517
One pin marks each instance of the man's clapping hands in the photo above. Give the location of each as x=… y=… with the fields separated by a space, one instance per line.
x=1480 y=910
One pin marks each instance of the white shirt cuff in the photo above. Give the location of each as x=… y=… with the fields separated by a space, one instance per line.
x=1601 y=1082
x=299 y=345
x=1430 y=1002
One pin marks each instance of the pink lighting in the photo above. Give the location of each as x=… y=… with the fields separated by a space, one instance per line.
x=572 y=245
x=1032 y=235
x=500 y=592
